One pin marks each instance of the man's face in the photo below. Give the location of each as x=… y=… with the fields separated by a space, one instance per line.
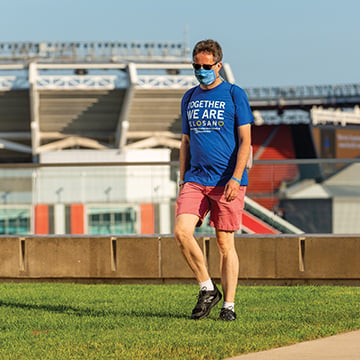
x=205 y=58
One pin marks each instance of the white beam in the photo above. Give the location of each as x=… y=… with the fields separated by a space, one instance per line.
x=34 y=108
x=82 y=66
x=70 y=142
x=123 y=123
x=154 y=141
x=13 y=66
x=145 y=134
x=228 y=73
x=55 y=135
x=154 y=66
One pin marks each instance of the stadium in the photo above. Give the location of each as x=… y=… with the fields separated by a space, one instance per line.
x=90 y=135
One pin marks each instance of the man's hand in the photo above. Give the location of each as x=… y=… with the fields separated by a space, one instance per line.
x=231 y=190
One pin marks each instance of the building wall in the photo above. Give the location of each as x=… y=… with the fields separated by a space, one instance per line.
x=69 y=199
x=346 y=215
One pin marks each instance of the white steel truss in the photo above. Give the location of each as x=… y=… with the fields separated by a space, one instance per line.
x=73 y=82
x=7 y=82
x=165 y=81
x=102 y=82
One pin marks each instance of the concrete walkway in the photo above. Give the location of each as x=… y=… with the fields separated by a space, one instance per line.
x=338 y=347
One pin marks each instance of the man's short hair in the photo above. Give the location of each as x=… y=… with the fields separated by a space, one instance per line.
x=209 y=46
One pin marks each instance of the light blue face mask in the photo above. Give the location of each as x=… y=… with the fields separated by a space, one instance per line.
x=205 y=77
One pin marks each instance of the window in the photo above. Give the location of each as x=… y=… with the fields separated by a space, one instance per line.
x=15 y=221
x=105 y=221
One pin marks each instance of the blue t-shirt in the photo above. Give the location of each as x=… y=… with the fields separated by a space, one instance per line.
x=211 y=120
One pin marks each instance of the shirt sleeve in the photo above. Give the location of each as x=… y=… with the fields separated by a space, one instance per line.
x=243 y=113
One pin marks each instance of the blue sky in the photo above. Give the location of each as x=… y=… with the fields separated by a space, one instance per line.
x=266 y=42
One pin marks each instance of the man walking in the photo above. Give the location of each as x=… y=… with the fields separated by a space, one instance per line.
x=215 y=146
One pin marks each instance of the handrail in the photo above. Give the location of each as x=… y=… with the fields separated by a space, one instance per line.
x=176 y=163
x=93 y=50
x=270 y=218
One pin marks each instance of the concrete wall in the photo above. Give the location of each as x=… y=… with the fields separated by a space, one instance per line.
x=279 y=258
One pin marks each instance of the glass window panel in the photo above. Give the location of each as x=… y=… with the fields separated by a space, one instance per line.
x=105 y=221
x=14 y=220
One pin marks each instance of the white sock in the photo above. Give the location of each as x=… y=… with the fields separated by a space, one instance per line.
x=229 y=305
x=207 y=285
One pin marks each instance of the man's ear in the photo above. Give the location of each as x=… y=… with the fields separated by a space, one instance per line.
x=218 y=67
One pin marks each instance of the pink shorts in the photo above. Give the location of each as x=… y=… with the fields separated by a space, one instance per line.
x=199 y=200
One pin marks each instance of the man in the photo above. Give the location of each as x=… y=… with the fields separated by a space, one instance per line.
x=215 y=146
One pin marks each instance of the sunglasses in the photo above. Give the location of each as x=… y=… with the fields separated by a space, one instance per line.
x=204 y=66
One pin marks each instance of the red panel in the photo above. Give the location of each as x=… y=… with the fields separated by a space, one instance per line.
x=266 y=179
x=147 y=218
x=256 y=225
x=41 y=219
x=269 y=203
x=77 y=219
x=281 y=145
x=259 y=134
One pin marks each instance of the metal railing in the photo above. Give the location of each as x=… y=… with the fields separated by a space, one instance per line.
x=93 y=50
x=301 y=92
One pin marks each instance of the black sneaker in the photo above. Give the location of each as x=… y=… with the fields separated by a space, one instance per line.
x=227 y=315
x=206 y=301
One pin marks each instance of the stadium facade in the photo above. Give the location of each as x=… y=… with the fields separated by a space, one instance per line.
x=90 y=132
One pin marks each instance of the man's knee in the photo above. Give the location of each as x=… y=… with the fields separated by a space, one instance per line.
x=225 y=249
x=226 y=244
x=178 y=232
x=181 y=233
x=184 y=226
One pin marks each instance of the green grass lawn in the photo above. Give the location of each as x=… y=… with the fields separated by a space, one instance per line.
x=74 y=321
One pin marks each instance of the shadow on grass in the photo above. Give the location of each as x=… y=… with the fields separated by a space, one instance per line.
x=78 y=311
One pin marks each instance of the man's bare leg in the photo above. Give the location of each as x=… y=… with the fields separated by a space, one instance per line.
x=184 y=234
x=229 y=264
